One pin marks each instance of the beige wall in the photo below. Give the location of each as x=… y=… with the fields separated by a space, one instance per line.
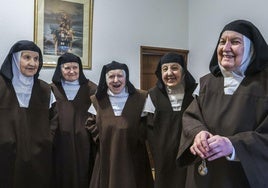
x=120 y=27
x=206 y=20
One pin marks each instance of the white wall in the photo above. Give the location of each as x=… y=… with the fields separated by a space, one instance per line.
x=206 y=20
x=120 y=27
x=16 y=23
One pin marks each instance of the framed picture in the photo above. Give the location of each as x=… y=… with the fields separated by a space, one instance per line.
x=64 y=26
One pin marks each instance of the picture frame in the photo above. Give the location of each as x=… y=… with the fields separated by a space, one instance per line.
x=64 y=26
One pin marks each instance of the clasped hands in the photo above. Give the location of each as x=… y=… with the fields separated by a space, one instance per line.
x=211 y=147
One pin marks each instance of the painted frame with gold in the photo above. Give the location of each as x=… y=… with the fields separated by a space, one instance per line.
x=64 y=26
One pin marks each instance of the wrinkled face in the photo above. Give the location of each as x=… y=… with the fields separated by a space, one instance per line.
x=171 y=74
x=70 y=71
x=29 y=63
x=230 y=50
x=116 y=80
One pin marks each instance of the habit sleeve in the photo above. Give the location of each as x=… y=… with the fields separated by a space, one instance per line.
x=192 y=125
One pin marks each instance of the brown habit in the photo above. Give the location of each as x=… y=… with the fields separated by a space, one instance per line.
x=164 y=130
x=25 y=138
x=74 y=149
x=242 y=117
x=122 y=160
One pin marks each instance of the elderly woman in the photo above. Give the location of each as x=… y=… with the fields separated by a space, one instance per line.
x=122 y=160
x=166 y=104
x=28 y=119
x=226 y=125
x=74 y=148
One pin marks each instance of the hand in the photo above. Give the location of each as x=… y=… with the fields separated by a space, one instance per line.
x=90 y=122
x=200 y=146
x=219 y=147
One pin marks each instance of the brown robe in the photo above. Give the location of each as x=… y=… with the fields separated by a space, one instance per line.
x=122 y=160
x=73 y=150
x=243 y=118
x=164 y=130
x=25 y=137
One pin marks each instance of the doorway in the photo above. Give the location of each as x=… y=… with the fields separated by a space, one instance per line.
x=150 y=57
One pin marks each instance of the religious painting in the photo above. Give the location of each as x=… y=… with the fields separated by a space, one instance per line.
x=64 y=26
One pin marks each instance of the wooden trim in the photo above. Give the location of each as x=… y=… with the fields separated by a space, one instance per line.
x=161 y=51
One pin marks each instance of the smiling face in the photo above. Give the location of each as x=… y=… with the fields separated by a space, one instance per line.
x=29 y=63
x=116 y=80
x=171 y=74
x=230 y=50
x=70 y=71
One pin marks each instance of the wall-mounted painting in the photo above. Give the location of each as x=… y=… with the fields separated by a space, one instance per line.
x=62 y=26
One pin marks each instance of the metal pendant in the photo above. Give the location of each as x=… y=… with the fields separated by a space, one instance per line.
x=202 y=168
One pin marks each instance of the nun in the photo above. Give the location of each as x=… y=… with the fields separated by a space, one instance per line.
x=122 y=159
x=74 y=149
x=28 y=119
x=225 y=127
x=165 y=106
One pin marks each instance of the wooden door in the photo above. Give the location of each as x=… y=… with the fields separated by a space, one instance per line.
x=150 y=57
